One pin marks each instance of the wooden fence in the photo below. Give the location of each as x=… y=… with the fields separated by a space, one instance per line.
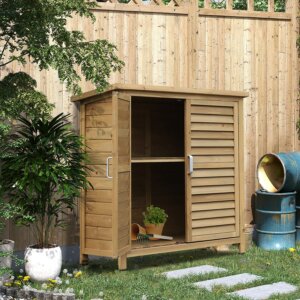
x=183 y=46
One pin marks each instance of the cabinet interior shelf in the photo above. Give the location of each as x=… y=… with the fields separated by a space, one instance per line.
x=156 y=159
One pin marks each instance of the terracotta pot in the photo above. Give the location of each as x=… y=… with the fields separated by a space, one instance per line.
x=43 y=264
x=154 y=229
x=135 y=230
x=6 y=246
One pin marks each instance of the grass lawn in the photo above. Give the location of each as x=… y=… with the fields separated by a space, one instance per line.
x=143 y=274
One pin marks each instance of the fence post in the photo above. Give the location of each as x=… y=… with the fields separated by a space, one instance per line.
x=250 y=5
x=292 y=7
x=271 y=6
x=229 y=4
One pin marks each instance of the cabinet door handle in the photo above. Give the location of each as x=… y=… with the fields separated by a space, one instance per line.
x=191 y=164
x=107 y=167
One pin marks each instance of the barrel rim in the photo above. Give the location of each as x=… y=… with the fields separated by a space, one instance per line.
x=264 y=192
x=284 y=171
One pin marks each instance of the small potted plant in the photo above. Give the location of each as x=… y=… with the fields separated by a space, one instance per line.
x=7 y=211
x=42 y=173
x=154 y=219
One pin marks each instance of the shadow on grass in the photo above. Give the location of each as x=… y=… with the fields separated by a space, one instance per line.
x=157 y=260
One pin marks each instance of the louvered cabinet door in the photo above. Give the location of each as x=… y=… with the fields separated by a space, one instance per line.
x=212 y=182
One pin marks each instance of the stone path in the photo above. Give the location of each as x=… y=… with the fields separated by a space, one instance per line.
x=265 y=291
x=201 y=270
x=228 y=281
x=260 y=292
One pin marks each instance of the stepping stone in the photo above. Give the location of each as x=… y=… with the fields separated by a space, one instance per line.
x=227 y=281
x=265 y=291
x=200 y=270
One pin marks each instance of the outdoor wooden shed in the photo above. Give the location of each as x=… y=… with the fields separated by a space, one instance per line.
x=179 y=149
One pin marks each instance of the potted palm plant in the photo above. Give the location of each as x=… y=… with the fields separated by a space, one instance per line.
x=42 y=173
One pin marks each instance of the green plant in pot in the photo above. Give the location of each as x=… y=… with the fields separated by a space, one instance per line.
x=7 y=211
x=42 y=173
x=154 y=219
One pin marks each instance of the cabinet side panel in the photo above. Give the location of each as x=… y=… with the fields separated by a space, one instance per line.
x=96 y=227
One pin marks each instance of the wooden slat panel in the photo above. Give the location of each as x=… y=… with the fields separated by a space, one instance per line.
x=213 y=222
x=212 y=127
x=212 y=135
x=213 y=205
x=104 y=121
x=98 y=133
x=212 y=151
x=98 y=208
x=213 y=110
x=212 y=143
x=212 y=181
x=213 y=214
x=98 y=244
x=215 y=237
x=213 y=197
x=98 y=195
x=203 y=103
x=213 y=173
x=213 y=159
x=213 y=230
x=214 y=165
x=98 y=146
x=98 y=220
x=98 y=108
x=212 y=189
x=99 y=183
x=95 y=158
x=97 y=170
x=211 y=119
x=98 y=233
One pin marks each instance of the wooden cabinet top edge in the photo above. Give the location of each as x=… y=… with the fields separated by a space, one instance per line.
x=157 y=91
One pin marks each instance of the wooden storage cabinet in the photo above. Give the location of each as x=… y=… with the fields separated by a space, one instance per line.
x=179 y=149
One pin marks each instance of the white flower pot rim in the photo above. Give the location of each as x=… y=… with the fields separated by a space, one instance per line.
x=35 y=246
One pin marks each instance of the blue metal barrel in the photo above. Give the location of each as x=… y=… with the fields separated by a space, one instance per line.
x=275 y=220
x=279 y=172
x=298 y=217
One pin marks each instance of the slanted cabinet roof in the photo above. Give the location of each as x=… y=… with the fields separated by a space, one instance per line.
x=159 y=91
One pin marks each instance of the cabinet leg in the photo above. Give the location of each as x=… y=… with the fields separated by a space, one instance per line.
x=84 y=259
x=122 y=262
x=242 y=246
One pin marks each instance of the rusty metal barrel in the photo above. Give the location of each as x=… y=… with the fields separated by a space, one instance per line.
x=279 y=172
x=275 y=220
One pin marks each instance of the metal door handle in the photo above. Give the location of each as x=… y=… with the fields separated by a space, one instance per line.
x=191 y=164
x=107 y=167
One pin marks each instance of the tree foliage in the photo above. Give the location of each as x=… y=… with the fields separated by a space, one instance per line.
x=36 y=29
x=35 y=32
x=259 y=5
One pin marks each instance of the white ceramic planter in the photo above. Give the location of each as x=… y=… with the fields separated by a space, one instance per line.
x=6 y=246
x=43 y=264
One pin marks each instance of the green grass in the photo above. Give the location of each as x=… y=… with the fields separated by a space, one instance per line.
x=143 y=276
